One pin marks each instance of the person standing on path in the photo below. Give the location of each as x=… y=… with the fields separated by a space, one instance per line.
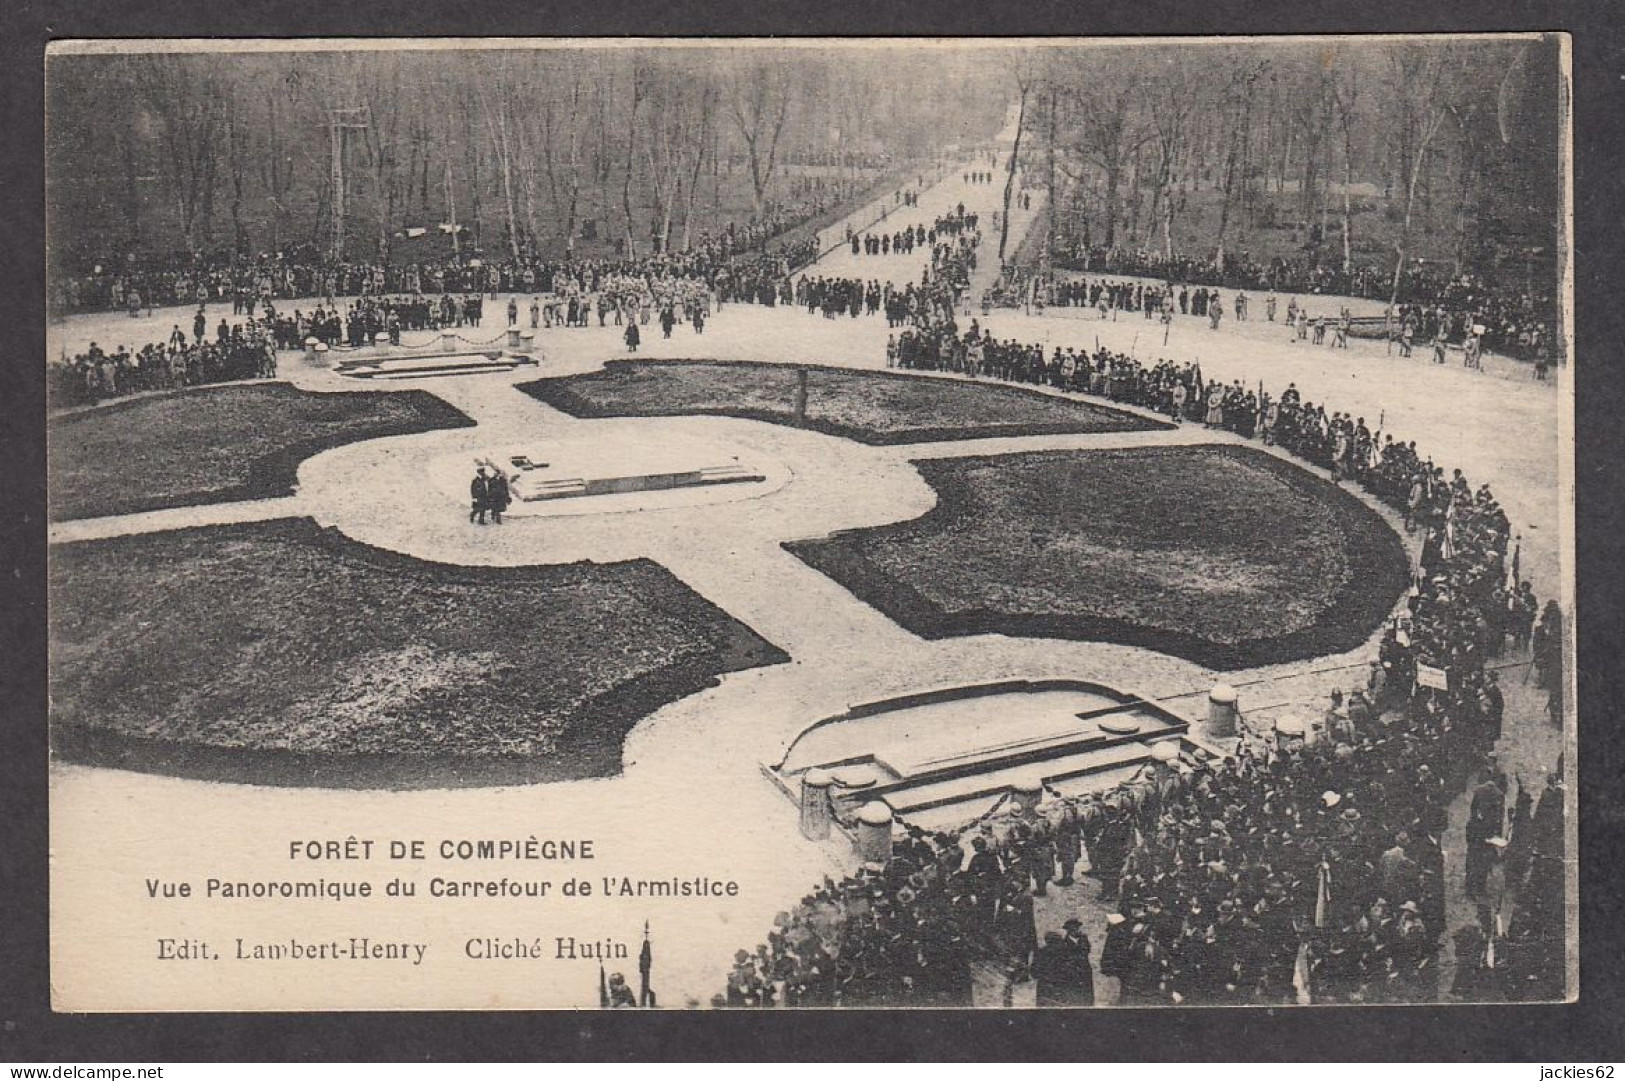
x=479 y=492
x=498 y=496
x=1081 y=977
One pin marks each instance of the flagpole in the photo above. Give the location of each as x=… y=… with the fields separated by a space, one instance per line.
x=646 y=995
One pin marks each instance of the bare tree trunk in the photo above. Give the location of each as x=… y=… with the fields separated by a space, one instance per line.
x=1348 y=212
x=237 y=163
x=701 y=138
x=566 y=196
x=1114 y=180
x=1050 y=229
x=1401 y=248
x=757 y=122
x=1010 y=174
x=132 y=197
x=476 y=222
x=527 y=185
x=451 y=213
x=496 y=123
x=631 y=159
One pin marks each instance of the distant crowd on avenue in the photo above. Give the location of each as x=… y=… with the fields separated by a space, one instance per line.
x=1517 y=321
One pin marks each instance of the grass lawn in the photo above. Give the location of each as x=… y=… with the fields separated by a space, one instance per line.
x=216 y=444
x=879 y=408
x=1226 y=556
x=283 y=653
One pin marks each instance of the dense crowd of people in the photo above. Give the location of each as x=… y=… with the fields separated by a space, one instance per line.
x=903 y=241
x=1437 y=303
x=140 y=283
x=952 y=240
x=237 y=351
x=1404 y=325
x=1294 y=870
x=628 y=292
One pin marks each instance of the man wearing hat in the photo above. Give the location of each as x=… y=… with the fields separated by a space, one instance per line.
x=985 y=870
x=497 y=496
x=479 y=491
x=1039 y=858
x=1080 y=977
x=1068 y=842
x=1050 y=970
x=1400 y=875
x=1114 y=951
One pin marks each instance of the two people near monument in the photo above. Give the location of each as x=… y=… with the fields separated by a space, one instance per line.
x=489 y=494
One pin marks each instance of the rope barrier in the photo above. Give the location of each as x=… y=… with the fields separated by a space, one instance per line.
x=491 y=341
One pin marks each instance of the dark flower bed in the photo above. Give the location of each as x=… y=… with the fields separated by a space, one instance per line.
x=878 y=408
x=1226 y=556
x=282 y=653
x=216 y=444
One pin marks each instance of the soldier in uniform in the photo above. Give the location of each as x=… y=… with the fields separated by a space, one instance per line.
x=1068 y=837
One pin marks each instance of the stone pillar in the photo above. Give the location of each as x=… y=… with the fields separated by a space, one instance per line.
x=1314 y=729
x=1165 y=753
x=1222 y=711
x=815 y=808
x=513 y=337
x=311 y=345
x=448 y=341
x=527 y=343
x=1289 y=733
x=874 y=832
x=1027 y=793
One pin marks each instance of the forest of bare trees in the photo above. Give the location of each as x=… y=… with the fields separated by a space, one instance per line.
x=1348 y=151
x=350 y=153
x=1376 y=152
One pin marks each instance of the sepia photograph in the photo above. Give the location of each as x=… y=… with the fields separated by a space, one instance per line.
x=749 y=524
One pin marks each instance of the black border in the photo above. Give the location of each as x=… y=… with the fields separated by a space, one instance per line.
x=1586 y=1031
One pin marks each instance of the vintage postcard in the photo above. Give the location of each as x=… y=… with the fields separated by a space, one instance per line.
x=575 y=524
